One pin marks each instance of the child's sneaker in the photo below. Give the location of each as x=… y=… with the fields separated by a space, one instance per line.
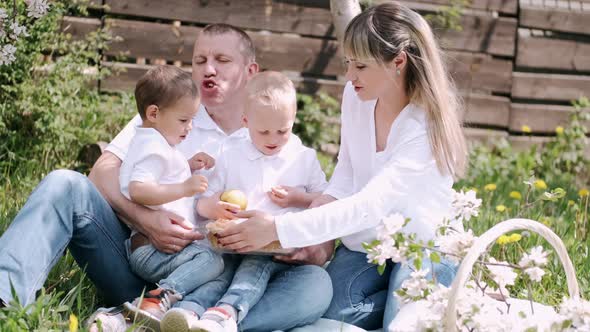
x=108 y=319
x=178 y=320
x=150 y=309
x=215 y=320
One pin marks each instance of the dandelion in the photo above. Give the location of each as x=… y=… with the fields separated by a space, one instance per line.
x=500 y=208
x=490 y=187
x=559 y=130
x=515 y=237
x=583 y=192
x=503 y=240
x=540 y=184
x=515 y=195
x=73 y=323
x=525 y=129
x=571 y=203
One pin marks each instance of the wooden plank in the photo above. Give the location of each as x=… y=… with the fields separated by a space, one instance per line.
x=476 y=72
x=536 y=52
x=554 y=19
x=79 y=27
x=274 y=51
x=481 y=33
x=523 y=143
x=126 y=75
x=483 y=136
x=539 y=118
x=486 y=110
x=549 y=86
x=281 y=16
x=503 y=6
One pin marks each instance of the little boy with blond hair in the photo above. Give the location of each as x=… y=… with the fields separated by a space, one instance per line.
x=278 y=175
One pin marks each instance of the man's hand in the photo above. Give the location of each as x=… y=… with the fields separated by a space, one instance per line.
x=321 y=200
x=196 y=184
x=285 y=196
x=314 y=255
x=254 y=233
x=201 y=160
x=169 y=232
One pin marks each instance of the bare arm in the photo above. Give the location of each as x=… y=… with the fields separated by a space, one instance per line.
x=212 y=208
x=150 y=193
x=168 y=232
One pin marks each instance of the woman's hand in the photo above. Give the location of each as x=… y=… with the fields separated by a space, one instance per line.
x=254 y=233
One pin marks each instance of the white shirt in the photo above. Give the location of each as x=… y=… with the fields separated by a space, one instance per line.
x=242 y=166
x=403 y=178
x=205 y=136
x=151 y=159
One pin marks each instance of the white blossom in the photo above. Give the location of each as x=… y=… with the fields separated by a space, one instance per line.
x=502 y=275
x=3 y=14
x=578 y=311
x=392 y=224
x=456 y=244
x=465 y=205
x=37 y=8
x=7 y=54
x=535 y=273
x=537 y=257
x=416 y=284
x=17 y=30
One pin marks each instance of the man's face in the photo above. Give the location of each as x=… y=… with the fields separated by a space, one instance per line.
x=220 y=70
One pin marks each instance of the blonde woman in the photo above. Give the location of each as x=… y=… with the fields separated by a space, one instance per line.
x=401 y=147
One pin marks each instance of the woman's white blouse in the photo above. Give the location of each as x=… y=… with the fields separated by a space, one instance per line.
x=403 y=178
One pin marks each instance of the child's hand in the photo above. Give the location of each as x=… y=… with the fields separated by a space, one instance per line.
x=225 y=210
x=196 y=184
x=285 y=196
x=201 y=160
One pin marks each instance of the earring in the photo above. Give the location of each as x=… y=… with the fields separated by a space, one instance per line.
x=398 y=72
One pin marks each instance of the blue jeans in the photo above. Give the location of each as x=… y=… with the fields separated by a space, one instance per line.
x=295 y=295
x=182 y=272
x=66 y=211
x=366 y=299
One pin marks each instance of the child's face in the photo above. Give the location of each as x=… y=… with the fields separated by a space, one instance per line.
x=175 y=121
x=269 y=128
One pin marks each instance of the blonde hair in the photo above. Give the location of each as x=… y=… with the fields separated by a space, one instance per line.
x=271 y=88
x=381 y=33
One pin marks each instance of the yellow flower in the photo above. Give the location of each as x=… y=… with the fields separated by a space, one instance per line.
x=515 y=237
x=526 y=129
x=73 y=323
x=540 y=184
x=546 y=221
x=516 y=195
x=490 y=187
x=559 y=130
x=502 y=240
x=583 y=192
x=571 y=203
x=500 y=208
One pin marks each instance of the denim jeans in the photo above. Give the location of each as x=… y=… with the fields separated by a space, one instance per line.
x=66 y=211
x=182 y=272
x=366 y=299
x=294 y=296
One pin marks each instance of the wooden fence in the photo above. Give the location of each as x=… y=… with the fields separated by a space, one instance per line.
x=515 y=62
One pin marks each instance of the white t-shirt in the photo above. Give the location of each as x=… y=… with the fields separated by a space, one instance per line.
x=151 y=159
x=242 y=166
x=403 y=178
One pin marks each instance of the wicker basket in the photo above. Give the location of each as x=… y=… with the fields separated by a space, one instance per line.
x=485 y=240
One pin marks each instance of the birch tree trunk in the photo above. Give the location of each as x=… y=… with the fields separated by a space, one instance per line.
x=342 y=12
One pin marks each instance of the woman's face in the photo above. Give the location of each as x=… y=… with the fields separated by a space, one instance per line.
x=370 y=79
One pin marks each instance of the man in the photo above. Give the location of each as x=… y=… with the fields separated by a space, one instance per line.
x=69 y=210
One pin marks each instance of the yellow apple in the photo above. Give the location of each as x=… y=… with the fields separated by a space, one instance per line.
x=236 y=197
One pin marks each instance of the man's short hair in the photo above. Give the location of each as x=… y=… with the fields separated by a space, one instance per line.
x=272 y=88
x=248 y=50
x=163 y=86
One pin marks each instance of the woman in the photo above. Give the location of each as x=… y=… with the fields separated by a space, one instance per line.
x=401 y=146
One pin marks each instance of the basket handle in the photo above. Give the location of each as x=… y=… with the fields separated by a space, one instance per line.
x=487 y=238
